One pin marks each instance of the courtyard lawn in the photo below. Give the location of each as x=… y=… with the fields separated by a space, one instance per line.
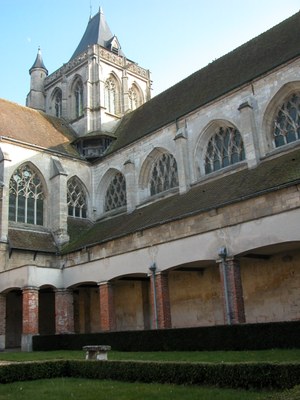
x=275 y=355
x=70 y=388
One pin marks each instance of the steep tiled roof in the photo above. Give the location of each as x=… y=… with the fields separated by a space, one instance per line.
x=31 y=240
x=268 y=176
x=249 y=61
x=35 y=127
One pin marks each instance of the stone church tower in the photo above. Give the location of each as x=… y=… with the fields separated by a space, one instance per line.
x=94 y=89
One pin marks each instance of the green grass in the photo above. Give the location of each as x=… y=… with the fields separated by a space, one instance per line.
x=276 y=355
x=69 y=388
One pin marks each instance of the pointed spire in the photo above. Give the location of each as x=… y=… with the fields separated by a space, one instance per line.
x=97 y=32
x=39 y=63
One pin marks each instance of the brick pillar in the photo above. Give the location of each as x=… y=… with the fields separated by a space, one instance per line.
x=107 y=309
x=2 y=321
x=64 y=311
x=161 y=300
x=233 y=299
x=30 y=321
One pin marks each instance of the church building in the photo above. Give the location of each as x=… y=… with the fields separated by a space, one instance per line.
x=121 y=212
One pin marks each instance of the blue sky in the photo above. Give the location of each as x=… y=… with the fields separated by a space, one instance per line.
x=171 y=38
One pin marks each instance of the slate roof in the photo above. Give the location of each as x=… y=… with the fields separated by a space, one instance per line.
x=97 y=32
x=268 y=176
x=39 y=63
x=260 y=55
x=35 y=127
x=31 y=240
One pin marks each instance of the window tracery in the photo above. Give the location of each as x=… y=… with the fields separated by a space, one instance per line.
x=111 y=96
x=116 y=193
x=78 y=93
x=76 y=199
x=287 y=122
x=134 y=98
x=164 y=174
x=225 y=148
x=26 y=196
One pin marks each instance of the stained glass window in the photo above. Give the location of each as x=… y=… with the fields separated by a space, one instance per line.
x=164 y=174
x=78 y=92
x=225 y=148
x=287 y=122
x=26 y=196
x=116 y=193
x=76 y=199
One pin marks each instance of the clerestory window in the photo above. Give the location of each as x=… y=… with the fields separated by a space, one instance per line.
x=116 y=193
x=76 y=199
x=78 y=93
x=26 y=196
x=225 y=148
x=164 y=174
x=287 y=122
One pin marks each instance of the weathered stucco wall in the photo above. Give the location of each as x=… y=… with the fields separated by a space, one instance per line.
x=196 y=298
x=271 y=288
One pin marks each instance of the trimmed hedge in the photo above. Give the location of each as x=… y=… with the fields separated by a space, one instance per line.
x=27 y=371
x=242 y=375
x=233 y=337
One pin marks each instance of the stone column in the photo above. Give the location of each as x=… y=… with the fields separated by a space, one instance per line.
x=2 y=321
x=182 y=160
x=30 y=323
x=64 y=311
x=107 y=309
x=232 y=291
x=160 y=301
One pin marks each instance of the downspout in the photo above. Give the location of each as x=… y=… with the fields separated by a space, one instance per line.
x=153 y=270
x=223 y=254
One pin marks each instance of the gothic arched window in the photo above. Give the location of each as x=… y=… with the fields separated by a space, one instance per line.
x=163 y=174
x=111 y=96
x=116 y=193
x=134 y=98
x=78 y=94
x=26 y=196
x=58 y=103
x=287 y=122
x=225 y=148
x=76 y=199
